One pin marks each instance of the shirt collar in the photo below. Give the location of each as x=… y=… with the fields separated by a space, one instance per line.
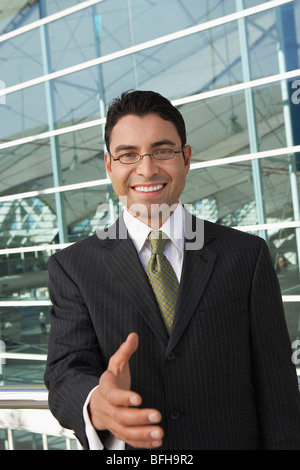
x=173 y=228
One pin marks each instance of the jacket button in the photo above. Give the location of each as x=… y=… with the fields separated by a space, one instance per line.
x=174 y=414
x=171 y=356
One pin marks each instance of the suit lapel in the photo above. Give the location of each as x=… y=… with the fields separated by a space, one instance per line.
x=123 y=261
x=196 y=271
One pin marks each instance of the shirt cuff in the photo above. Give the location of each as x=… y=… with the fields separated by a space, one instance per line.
x=111 y=443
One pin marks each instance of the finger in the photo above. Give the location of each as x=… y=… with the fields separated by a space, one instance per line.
x=140 y=436
x=121 y=357
x=136 y=416
x=111 y=415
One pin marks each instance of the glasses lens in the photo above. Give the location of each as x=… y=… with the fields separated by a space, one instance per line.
x=164 y=154
x=129 y=158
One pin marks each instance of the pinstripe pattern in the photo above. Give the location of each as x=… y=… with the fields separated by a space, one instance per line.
x=162 y=278
x=226 y=367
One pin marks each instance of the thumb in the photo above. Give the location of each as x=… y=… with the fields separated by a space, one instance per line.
x=120 y=359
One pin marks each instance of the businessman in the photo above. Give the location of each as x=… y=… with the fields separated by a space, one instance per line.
x=167 y=332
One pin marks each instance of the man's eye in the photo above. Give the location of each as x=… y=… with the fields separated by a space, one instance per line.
x=130 y=156
x=164 y=152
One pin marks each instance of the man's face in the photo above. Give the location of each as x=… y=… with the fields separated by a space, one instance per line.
x=164 y=178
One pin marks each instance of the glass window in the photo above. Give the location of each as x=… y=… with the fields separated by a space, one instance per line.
x=88 y=210
x=24 y=276
x=226 y=193
x=25 y=168
x=276 y=184
x=28 y=222
x=216 y=127
x=269 y=117
x=55 y=7
x=292 y=314
x=265 y=32
x=23 y=113
x=13 y=15
x=284 y=251
x=24 y=335
x=112 y=26
x=29 y=166
x=21 y=57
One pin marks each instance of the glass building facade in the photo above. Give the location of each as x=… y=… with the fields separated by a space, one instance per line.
x=232 y=69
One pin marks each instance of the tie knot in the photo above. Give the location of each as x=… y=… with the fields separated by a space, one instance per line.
x=158 y=240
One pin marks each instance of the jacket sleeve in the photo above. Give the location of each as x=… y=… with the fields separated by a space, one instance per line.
x=74 y=362
x=274 y=373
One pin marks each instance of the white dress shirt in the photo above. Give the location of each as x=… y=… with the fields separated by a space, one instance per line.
x=138 y=232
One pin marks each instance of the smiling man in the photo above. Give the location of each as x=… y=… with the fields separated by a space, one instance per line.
x=153 y=167
x=157 y=343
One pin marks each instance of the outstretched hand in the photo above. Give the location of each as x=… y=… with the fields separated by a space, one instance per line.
x=112 y=404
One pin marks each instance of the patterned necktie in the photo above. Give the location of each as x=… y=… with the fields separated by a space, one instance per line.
x=162 y=278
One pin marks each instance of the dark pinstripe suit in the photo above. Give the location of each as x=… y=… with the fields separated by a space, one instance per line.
x=223 y=380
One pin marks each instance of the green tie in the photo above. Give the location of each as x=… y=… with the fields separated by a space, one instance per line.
x=162 y=278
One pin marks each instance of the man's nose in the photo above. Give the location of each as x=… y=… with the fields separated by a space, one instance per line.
x=148 y=166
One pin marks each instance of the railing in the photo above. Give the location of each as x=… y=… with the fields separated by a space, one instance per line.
x=27 y=423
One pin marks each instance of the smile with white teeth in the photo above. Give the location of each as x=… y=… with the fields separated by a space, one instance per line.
x=147 y=189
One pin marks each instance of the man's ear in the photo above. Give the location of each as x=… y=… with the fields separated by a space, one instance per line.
x=187 y=157
x=107 y=161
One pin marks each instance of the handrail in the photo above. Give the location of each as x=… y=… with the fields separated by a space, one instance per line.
x=23 y=397
x=25 y=408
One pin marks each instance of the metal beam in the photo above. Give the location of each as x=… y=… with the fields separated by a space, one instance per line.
x=251 y=120
x=54 y=144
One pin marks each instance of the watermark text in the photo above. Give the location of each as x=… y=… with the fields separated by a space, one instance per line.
x=296 y=93
x=155 y=216
x=296 y=353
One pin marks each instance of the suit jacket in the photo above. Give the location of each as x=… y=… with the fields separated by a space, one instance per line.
x=224 y=379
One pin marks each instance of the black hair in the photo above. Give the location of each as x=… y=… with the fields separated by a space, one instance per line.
x=141 y=103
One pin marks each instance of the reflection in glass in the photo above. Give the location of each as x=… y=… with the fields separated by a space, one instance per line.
x=26 y=12
x=292 y=315
x=89 y=210
x=216 y=128
x=283 y=248
x=24 y=276
x=269 y=117
x=226 y=193
x=82 y=156
x=28 y=167
x=25 y=168
x=263 y=39
x=27 y=222
x=123 y=24
x=23 y=332
x=24 y=113
x=277 y=188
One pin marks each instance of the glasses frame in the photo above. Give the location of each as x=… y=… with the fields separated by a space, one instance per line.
x=151 y=155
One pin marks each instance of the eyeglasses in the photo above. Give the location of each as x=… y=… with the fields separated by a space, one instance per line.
x=162 y=154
